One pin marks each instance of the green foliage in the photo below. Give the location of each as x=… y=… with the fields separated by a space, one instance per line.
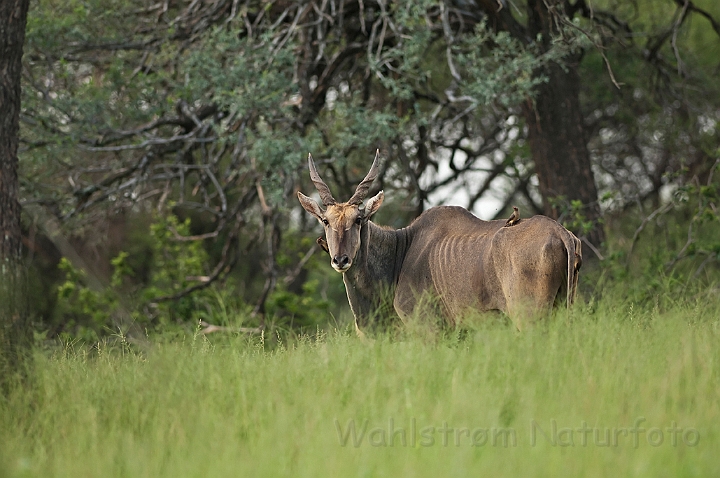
x=354 y=126
x=176 y=266
x=412 y=70
x=572 y=215
x=702 y=201
x=89 y=310
x=663 y=257
x=83 y=310
x=298 y=311
x=235 y=73
x=498 y=67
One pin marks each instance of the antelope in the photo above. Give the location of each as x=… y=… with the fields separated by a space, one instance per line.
x=466 y=263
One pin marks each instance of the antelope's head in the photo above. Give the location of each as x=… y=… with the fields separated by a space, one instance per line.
x=342 y=221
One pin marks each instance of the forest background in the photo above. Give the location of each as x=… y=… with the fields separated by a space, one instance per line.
x=162 y=144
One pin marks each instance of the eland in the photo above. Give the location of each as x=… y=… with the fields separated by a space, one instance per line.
x=463 y=262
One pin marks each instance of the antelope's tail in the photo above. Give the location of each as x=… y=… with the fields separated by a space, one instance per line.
x=574 y=255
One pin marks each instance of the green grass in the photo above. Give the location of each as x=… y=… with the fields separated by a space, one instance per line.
x=229 y=406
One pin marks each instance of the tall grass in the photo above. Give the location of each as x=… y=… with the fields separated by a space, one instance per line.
x=233 y=406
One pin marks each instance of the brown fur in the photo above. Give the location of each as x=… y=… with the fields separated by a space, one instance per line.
x=464 y=262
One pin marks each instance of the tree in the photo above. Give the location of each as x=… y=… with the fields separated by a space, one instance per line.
x=208 y=109
x=13 y=16
x=558 y=131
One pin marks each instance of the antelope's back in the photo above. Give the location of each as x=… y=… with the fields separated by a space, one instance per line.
x=448 y=257
x=471 y=263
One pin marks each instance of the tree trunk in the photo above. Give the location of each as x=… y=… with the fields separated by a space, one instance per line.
x=13 y=16
x=558 y=145
x=556 y=128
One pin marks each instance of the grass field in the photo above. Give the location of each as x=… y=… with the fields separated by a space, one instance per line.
x=611 y=391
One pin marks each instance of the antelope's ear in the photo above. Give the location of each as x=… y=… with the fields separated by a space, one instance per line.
x=323 y=244
x=310 y=205
x=373 y=204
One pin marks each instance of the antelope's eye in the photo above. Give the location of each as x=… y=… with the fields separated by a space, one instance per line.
x=358 y=220
x=325 y=222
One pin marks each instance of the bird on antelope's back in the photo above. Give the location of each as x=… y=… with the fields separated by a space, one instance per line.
x=514 y=218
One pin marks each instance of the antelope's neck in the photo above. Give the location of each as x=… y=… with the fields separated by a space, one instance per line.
x=376 y=269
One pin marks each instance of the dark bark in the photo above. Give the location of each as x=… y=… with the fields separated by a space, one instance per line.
x=558 y=145
x=13 y=16
x=556 y=128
